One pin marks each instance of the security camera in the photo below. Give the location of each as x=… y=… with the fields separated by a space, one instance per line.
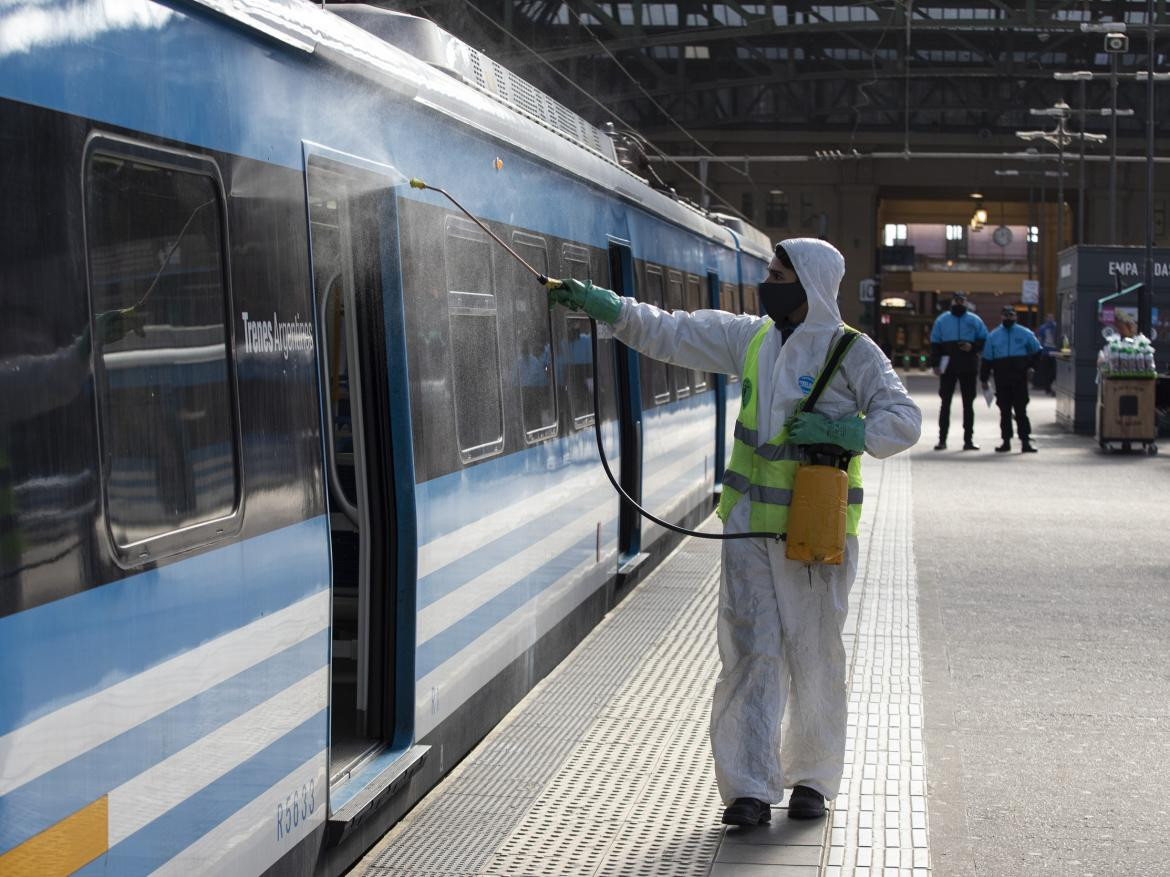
x=1116 y=43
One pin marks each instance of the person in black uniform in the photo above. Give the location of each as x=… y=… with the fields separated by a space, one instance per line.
x=1011 y=354
x=957 y=337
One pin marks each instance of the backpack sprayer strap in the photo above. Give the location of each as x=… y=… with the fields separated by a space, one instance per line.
x=830 y=368
x=830 y=454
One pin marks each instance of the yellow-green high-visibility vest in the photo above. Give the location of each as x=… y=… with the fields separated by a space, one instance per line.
x=766 y=472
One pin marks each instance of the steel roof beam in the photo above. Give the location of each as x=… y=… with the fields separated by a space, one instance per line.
x=694 y=36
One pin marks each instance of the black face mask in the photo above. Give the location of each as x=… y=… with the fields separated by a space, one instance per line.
x=958 y=310
x=781 y=299
x=1007 y=324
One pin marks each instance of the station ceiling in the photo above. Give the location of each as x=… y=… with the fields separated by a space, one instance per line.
x=850 y=73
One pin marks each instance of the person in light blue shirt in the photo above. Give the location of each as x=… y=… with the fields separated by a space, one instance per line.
x=957 y=337
x=1010 y=354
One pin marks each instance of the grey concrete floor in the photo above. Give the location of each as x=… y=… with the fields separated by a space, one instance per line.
x=1044 y=596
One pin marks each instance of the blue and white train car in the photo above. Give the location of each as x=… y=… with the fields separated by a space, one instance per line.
x=298 y=486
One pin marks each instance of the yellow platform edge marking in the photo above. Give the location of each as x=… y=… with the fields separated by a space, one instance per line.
x=62 y=848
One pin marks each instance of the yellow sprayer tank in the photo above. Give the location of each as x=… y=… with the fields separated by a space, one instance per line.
x=816 y=517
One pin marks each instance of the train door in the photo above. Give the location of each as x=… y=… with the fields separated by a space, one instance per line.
x=354 y=252
x=630 y=556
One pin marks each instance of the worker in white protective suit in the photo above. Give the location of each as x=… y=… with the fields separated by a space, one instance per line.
x=780 y=621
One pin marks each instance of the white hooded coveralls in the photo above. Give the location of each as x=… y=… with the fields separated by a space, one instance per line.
x=780 y=621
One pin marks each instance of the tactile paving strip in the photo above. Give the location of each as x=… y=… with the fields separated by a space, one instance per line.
x=880 y=817
x=604 y=768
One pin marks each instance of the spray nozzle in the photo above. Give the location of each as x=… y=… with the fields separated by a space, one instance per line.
x=416 y=183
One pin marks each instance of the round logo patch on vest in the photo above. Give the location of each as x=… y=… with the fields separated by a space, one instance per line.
x=746 y=393
x=806 y=383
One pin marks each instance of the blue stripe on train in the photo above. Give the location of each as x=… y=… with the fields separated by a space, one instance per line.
x=455 y=575
x=51 y=797
x=452 y=640
x=178 y=828
x=459 y=572
x=60 y=652
x=466 y=496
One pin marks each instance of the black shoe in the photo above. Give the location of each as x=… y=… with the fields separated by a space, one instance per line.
x=1004 y=448
x=941 y=446
x=747 y=812
x=1028 y=448
x=805 y=803
x=970 y=446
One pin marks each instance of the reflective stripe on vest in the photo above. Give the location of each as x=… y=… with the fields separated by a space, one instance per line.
x=766 y=472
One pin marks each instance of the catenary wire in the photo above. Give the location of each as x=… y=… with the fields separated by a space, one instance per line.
x=863 y=88
x=648 y=96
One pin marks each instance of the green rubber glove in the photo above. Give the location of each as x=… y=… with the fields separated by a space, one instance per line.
x=810 y=428
x=600 y=303
x=113 y=326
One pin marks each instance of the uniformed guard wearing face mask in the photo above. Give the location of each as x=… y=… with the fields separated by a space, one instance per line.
x=780 y=621
x=955 y=343
x=1011 y=353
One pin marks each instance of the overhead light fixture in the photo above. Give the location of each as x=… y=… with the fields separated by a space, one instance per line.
x=976 y=195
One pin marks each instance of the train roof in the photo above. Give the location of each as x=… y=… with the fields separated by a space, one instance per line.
x=401 y=52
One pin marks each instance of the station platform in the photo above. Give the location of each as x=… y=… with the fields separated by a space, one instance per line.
x=605 y=768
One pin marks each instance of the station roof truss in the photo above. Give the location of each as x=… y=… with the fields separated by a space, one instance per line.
x=967 y=67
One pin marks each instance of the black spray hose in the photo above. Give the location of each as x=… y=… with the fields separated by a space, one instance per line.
x=616 y=486
x=548 y=283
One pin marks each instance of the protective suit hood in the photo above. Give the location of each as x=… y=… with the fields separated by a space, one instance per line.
x=821 y=268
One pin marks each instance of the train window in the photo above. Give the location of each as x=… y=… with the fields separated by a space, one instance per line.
x=695 y=303
x=675 y=302
x=475 y=346
x=532 y=323
x=165 y=387
x=729 y=298
x=578 y=348
x=656 y=381
x=751 y=300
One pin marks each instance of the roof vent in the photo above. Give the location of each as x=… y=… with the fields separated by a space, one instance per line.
x=417 y=36
x=430 y=43
x=733 y=222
